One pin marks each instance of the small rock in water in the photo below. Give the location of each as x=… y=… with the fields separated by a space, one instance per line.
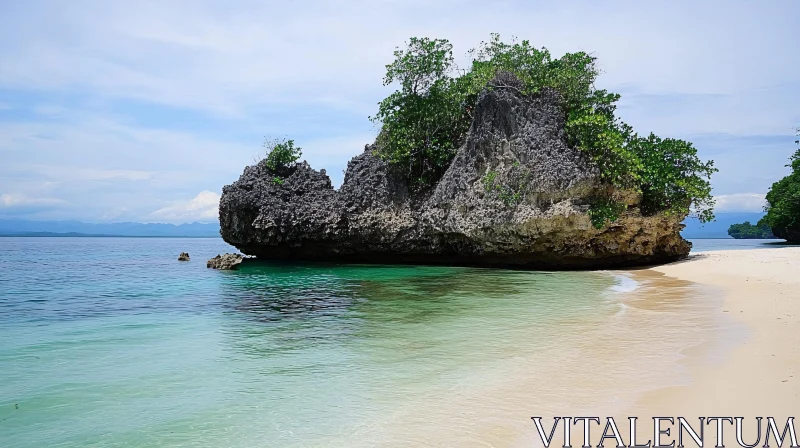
x=225 y=262
x=184 y=256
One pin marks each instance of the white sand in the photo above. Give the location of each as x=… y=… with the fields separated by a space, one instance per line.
x=761 y=375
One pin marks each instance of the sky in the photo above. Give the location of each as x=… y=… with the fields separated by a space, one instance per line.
x=143 y=111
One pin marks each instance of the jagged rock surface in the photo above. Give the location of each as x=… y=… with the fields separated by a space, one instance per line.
x=184 y=256
x=514 y=195
x=225 y=262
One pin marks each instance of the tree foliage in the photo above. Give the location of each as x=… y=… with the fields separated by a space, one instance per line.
x=783 y=198
x=746 y=230
x=671 y=178
x=427 y=119
x=281 y=154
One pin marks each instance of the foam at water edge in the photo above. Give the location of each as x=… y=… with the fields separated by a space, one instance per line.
x=622 y=309
x=615 y=294
x=624 y=284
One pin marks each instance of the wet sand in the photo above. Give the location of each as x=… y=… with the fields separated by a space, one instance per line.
x=758 y=375
x=742 y=307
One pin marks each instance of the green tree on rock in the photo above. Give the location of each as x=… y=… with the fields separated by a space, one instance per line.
x=426 y=120
x=281 y=156
x=783 y=202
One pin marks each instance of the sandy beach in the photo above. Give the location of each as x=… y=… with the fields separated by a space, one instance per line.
x=759 y=375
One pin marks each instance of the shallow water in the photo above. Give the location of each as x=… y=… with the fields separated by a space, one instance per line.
x=709 y=244
x=112 y=342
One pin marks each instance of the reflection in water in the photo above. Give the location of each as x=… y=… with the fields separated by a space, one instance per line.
x=111 y=342
x=376 y=345
x=285 y=307
x=370 y=347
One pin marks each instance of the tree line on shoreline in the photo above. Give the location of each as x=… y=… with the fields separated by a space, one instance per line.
x=783 y=208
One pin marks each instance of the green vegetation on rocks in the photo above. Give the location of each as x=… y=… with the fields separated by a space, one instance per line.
x=427 y=119
x=746 y=231
x=281 y=154
x=783 y=199
x=512 y=193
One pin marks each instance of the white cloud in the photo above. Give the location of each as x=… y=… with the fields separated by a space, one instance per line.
x=214 y=56
x=770 y=110
x=91 y=174
x=111 y=169
x=334 y=153
x=740 y=202
x=203 y=207
x=135 y=106
x=107 y=148
x=114 y=213
x=21 y=205
x=49 y=109
x=61 y=173
x=18 y=200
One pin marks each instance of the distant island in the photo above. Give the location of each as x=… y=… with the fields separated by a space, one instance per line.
x=747 y=231
x=25 y=228
x=718 y=228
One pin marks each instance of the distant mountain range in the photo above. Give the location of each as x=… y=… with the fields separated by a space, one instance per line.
x=18 y=227
x=718 y=228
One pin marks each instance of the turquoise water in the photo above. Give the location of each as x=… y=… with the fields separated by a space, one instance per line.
x=112 y=342
x=705 y=245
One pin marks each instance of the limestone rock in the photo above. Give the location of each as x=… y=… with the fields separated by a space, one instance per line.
x=514 y=195
x=225 y=262
x=184 y=256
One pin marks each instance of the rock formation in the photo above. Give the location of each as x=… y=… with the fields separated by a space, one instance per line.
x=225 y=262
x=514 y=195
x=184 y=256
x=790 y=234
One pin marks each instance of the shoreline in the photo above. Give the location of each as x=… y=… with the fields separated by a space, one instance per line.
x=756 y=375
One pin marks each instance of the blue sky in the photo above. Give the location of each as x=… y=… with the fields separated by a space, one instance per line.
x=142 y=111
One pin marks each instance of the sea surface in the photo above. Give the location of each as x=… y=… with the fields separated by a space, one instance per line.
x=111 y=342
x=709 y=244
